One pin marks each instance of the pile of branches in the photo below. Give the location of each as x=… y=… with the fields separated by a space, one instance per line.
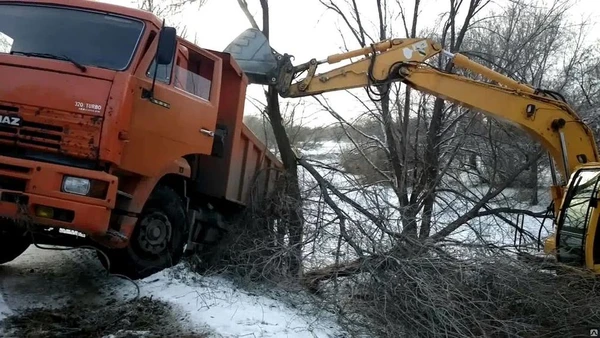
x=438 y=296
x=257 y=249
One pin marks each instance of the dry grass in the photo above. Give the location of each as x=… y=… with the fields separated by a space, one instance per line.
x=141 y=317
x=258 y=249
x=487 y=296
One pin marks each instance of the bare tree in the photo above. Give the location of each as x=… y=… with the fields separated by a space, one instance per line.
x=422 y=180
x=439 y=136
x=5 y=43
x=295 y=221
x=522 y=40
x=166 y=8
x=169 y=10
x=294 y=116
x=416 y=249
x=420 y=211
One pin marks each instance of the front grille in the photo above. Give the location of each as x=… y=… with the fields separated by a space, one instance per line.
x=51 y=131
x=12 y=183
x=14 y=168
x=9 y=108
x=12 y=197
x=34 y=134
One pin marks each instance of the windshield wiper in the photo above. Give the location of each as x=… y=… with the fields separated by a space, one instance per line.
x=51 y=56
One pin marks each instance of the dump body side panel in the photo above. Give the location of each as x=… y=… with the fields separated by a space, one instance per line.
x=230 y=176
x=253 y=169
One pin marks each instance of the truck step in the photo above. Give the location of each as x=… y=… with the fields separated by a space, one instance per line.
x=124 y=194
x=116 y=234
x=205 y=229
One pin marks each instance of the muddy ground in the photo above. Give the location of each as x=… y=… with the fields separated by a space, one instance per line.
x=142 y=317
x=68 y=294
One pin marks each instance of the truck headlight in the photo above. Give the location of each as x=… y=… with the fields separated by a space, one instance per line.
x=76 y=185
x=85 y=187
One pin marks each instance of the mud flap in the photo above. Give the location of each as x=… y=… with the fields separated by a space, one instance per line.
x=206 y=229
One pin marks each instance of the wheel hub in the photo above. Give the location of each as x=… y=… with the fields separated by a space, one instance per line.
x=155 y=232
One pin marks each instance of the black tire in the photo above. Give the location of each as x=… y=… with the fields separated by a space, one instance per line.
x=13 y=242
x=149 y=253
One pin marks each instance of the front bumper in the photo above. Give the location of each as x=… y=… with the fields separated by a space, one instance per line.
x=37 y=185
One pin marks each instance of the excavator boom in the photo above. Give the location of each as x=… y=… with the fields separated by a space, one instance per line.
x=543 y=114
x=549 y=121
x=546 y=118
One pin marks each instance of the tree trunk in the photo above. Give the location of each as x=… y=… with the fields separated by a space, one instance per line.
x=295 y=216
x=533 y=177
x=293 y=206
x=432 y=166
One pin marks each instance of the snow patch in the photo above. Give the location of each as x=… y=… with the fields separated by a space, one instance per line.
x=217 y=304
x=53 y=279
x=4 y=309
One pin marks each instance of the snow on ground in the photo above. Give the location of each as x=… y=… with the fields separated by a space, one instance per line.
x=235 y=313
x=52 y=279
x=325 y=148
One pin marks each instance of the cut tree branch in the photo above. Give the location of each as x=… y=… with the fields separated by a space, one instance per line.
x=244 y=7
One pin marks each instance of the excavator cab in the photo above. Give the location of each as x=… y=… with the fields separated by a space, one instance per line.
x=576 y=243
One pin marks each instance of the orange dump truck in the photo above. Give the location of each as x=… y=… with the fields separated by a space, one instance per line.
x=113 y=126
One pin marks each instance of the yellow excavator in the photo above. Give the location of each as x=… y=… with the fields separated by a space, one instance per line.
x=543 y=114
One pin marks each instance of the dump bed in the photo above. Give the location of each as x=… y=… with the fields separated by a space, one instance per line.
x=245 y=162
x=252 y=167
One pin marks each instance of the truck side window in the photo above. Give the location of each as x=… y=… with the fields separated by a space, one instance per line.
x=181 y=62
x=163 y=71
x=5 y=43
x=195 y=77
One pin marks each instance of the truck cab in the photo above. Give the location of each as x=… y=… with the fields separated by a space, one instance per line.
x=114 y=127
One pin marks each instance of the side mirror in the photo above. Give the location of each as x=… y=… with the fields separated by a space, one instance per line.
x=167 y=42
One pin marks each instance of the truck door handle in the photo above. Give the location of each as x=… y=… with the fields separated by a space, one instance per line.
x=207 y=132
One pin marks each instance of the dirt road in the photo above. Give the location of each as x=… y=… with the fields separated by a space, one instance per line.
x=48 y=293
x=68 y=294
x=44 y=278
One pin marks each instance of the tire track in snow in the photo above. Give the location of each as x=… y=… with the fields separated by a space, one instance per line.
x=5 y=311
x=50 y=278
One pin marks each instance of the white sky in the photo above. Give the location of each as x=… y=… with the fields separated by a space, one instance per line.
x=304 y=29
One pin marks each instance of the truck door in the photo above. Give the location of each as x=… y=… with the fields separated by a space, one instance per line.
x=186 y=114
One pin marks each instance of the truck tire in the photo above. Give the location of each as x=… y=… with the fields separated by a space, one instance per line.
x=157 y=241
x=13 y=243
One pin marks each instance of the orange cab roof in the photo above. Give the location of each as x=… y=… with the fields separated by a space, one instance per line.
x=97 y=5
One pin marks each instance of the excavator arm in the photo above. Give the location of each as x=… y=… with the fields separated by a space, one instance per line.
x=543 y=114
x=550 y=121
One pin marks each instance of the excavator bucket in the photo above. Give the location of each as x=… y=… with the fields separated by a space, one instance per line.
x=252 y=52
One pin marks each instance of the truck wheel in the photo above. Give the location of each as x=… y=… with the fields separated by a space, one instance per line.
x=13 y=243
x=157 y=241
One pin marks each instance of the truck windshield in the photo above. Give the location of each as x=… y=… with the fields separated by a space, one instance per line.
x=89 y=38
